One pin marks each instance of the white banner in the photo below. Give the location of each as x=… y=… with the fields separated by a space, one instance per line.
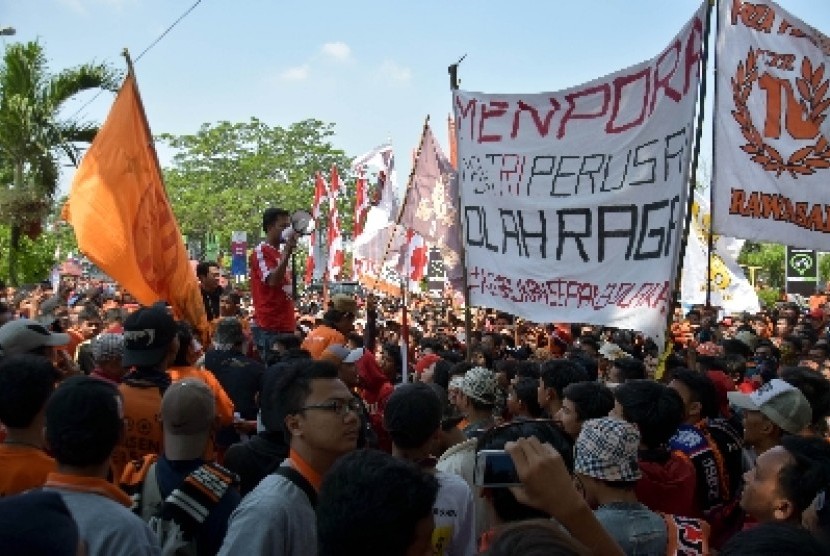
x=772 y=161
x=730 y=289
x=573 y=201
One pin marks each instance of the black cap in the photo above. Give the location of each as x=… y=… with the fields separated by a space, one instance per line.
x=148 y=334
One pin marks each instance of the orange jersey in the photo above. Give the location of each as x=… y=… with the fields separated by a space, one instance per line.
x=22 y=468
x=142 y=419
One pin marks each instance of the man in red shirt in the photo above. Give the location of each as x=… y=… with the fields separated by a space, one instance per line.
x=271 y=282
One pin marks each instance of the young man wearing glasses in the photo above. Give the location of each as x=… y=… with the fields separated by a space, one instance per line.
x=321 y=421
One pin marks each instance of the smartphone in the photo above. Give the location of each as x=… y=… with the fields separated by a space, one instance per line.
x=495 y=468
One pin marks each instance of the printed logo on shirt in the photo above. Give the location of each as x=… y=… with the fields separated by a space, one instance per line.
x=441 y=539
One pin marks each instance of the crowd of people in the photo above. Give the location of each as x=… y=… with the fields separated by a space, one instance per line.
x=339 y=426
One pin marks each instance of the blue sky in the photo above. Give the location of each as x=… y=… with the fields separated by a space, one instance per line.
x=375 y=69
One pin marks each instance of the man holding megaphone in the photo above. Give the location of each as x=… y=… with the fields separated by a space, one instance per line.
x=271 y=281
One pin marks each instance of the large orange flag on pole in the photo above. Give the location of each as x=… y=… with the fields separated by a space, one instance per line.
x=122 y=218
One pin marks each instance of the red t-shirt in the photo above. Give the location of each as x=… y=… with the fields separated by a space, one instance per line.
x=273 y=306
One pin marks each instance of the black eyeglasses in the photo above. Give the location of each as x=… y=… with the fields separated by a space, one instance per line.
x=338 y=407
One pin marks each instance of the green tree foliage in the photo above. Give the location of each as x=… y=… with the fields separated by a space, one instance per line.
x=34 y=137
x=37 y=256
x=768 y=256
x=226 y=174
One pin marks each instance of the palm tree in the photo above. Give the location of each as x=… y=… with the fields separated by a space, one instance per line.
x=33 y=136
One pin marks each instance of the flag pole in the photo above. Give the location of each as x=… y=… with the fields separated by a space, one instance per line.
x=468 y=317
x=711 y=228
x=692 y=181
x=404 y=203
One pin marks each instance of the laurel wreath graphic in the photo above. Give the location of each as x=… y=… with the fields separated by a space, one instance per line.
x=805 y=160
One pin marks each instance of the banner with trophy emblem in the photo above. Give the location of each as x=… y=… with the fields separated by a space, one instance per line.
x=772 y=156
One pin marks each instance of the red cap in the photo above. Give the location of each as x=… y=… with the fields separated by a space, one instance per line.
x=425 y=361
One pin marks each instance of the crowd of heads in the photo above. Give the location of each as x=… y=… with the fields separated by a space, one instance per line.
x=725 y=430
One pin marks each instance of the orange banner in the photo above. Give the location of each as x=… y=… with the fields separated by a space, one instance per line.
x=122 y=218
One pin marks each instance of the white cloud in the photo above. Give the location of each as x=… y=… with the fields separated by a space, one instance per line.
x=395 y=73
x=338 y=50
x=297 y=73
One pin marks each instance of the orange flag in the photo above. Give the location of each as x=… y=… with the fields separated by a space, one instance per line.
x=122 y=217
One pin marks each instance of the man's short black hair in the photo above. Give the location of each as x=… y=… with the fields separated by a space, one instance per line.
x=204 y=267
x=413 y=414
x=558 y=373
x=656 y=409
x=372 y=503
x=591 y=400
x=630 y=368
x=290 y=390
x=803 y=479
x=505 y=504
x=526 y=392
x=83 y=421
x=586 y=361
x=26 y=382
x=702 y=390
x=271 y=215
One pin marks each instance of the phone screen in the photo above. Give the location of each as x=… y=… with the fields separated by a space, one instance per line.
x=495 y=468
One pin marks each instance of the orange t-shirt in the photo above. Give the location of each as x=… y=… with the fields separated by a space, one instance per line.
x=142 y=421
x=224 y=405
x=320 y=338
x=22 y=468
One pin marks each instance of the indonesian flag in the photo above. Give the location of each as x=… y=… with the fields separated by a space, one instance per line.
x=319 y=193
x=335 y=239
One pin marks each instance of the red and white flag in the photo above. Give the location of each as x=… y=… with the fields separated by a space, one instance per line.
x=335 y=237
x=319 y=194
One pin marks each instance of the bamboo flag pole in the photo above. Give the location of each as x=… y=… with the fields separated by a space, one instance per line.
x=691 y=197
x=468 y=319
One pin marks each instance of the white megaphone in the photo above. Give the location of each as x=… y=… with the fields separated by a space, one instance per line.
x=302 y=224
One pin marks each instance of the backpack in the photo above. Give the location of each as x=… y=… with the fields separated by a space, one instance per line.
x=177 y=520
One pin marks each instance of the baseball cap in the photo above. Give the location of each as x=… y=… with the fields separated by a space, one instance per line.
x=425 y=361
x=46 y=311
x=413 y=413
x=148 y=333
x=606 y=449
x=778 y=401
x=343 y=303
x=480 y=384
x=188 y=411
x=338 y=353
x=25 y=335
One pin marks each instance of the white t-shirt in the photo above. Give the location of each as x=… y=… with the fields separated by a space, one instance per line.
x=454 y=533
